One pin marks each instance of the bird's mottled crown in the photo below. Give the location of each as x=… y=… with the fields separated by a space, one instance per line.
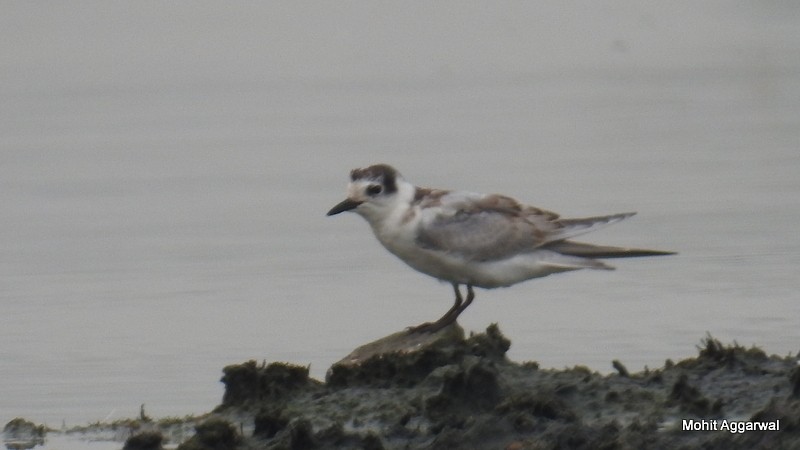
x=382 y=173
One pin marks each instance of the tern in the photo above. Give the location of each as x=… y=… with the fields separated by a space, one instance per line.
x=476 y=240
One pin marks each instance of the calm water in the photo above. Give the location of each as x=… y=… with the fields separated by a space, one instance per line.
x=164 y=176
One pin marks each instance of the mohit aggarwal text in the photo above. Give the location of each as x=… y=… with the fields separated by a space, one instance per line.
x=733 y=426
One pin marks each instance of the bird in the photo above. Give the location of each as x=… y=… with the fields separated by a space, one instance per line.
x=471 y=239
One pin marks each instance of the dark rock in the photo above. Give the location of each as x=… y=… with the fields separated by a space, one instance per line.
x=794 y=379
x=148 y=440
x=491 y=344
x=269 y=423
x=469 y=386
x=213 y=434
x=715 y=355
x=400 y=359
x=787 y=411
x=302 y=436
x=546 y=406
x=250 y=383
x=23 y=434
x=447 y=391
x=689 y=398
x=621 y=369
x=404 y=359
x=442 y=390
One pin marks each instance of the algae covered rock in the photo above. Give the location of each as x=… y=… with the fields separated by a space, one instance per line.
x=250 y=383
x=445 y=390
x=213 y=434
x=22 y=434
x=404 y=359
x=147 y=440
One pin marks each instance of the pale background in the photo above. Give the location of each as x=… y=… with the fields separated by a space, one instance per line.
x=165 y=169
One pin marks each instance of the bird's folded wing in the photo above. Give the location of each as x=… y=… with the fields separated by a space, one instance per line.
x=483 y=228
x=493 y=227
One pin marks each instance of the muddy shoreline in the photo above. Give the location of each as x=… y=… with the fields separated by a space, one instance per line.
x=447 y=390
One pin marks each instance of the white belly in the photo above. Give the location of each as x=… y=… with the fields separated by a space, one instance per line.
x=400 y=239
x=492 y=274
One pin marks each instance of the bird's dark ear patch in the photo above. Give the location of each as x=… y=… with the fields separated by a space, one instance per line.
x=390 y=182
x=385 y=174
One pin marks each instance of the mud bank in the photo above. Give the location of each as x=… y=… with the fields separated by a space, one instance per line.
x=449 y=391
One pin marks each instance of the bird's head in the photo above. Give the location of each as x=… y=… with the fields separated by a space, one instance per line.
x=373 y=192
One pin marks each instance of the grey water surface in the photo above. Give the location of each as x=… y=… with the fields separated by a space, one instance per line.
x=165 y=169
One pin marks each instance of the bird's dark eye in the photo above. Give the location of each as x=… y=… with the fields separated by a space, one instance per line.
x=374 y=189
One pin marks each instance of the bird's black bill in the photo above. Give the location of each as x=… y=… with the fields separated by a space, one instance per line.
x=346 y=205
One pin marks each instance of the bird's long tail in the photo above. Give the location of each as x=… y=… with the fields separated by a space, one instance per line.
x=584 y=250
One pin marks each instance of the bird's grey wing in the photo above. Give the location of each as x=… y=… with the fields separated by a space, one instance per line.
x=490 y=227
x=483 y=228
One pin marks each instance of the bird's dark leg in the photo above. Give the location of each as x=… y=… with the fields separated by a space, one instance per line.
x=456 y=303
x=468 y=301
x=450 y=316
